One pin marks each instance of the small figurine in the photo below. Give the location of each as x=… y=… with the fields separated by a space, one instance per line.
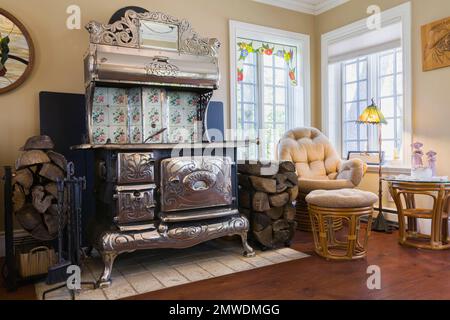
x=432 y=159
x=417 y=155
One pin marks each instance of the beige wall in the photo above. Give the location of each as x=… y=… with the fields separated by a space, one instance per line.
x=431 y=96
x=59 y=51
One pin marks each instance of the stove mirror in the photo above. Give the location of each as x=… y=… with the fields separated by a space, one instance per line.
x=157 y=35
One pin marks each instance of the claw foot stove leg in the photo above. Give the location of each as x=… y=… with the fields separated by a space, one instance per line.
x=248 y=251
x=108 y=261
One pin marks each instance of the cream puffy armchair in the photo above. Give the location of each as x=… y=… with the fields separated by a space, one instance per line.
x=318 y=166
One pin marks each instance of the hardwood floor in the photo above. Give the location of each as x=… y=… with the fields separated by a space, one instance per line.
x=406 y=274
x=25 y=292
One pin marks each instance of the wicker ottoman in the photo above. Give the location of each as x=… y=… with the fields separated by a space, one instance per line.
x=349 y=205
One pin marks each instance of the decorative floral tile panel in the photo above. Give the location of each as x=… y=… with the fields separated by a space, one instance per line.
x=152 y=114
x=118 y=116
x=134 y=97
x=101 y=96
x=136 y=135
x=117 y=97
x=100 y=115
x=182 y=116
x=152 y=96
x=100 y=134
x=118 y=134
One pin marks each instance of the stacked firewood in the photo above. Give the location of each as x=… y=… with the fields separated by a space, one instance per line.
x=34 y=187
x=267 y=195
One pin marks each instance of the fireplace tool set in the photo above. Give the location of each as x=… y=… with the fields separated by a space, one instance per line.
x=70 y=191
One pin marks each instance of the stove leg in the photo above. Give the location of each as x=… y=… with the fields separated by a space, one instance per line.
x=248 y=251
x=108 y=261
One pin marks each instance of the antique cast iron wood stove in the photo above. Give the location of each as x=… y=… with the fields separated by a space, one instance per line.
x=159 y=184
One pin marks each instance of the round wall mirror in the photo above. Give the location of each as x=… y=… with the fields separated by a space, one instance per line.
x=16 y=52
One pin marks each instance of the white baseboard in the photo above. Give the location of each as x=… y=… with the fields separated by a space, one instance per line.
x=17 y=233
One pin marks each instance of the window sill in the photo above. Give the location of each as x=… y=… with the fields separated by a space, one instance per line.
x=390 y=169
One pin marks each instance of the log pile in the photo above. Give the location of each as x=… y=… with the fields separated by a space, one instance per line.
x=34 y=187
x=267 y=195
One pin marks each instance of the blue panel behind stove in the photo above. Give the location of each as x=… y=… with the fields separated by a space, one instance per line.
x=62 y=117
x=215 y=121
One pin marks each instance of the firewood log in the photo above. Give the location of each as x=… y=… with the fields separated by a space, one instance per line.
x=265 y=237
x=292 y=178
x=38 y=143
x=286 y=166
x=283 y=231
x=41 y=233
x=259 y=169
x=24 y=177
x=52 y=189
x=281 y=182
x=268 y=201
x=41 y=202
x=281 y=236
x=31 y=158
x=18 y=197
x=280 y=225
x=58 y=159
x=263 y=184
x=260 y=202
x=289 y=212
x=279 y=200
x=260 y=221
x=275 y=213
x=28 y=217
x=51 y=172
x=51 y=220
x=293 y=193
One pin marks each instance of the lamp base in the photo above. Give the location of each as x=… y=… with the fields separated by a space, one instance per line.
x=381 y=224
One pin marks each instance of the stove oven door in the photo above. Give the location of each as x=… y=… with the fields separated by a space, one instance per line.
x=195 y=183
x=134 y=204
x=135 y=168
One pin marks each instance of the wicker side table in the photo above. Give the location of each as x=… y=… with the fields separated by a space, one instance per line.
x=350 y=206
x=404 y=194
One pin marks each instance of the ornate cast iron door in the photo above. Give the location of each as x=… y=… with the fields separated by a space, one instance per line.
x=195 y=183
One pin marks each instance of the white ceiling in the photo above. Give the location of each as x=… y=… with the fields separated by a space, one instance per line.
x=315 y=7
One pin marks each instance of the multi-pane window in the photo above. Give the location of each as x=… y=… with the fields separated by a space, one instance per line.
x=390 y=99
x=276 y=92
x=247 y=104
x=378 y=76
x=355 y=98
x=265 y=86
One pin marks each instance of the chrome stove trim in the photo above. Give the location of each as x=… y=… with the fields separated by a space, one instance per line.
x=197 y=215
x=135 y=188
x=177 y=236
x=125 y=33
x=140 y=227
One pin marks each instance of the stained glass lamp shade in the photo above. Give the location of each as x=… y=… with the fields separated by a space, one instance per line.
x=372 y=115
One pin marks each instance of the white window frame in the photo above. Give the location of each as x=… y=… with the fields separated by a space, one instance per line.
x=401 y=13
x=302 y=92
x=373 y=91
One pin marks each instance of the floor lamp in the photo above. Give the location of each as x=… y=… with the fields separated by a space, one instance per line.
x=372 y=115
